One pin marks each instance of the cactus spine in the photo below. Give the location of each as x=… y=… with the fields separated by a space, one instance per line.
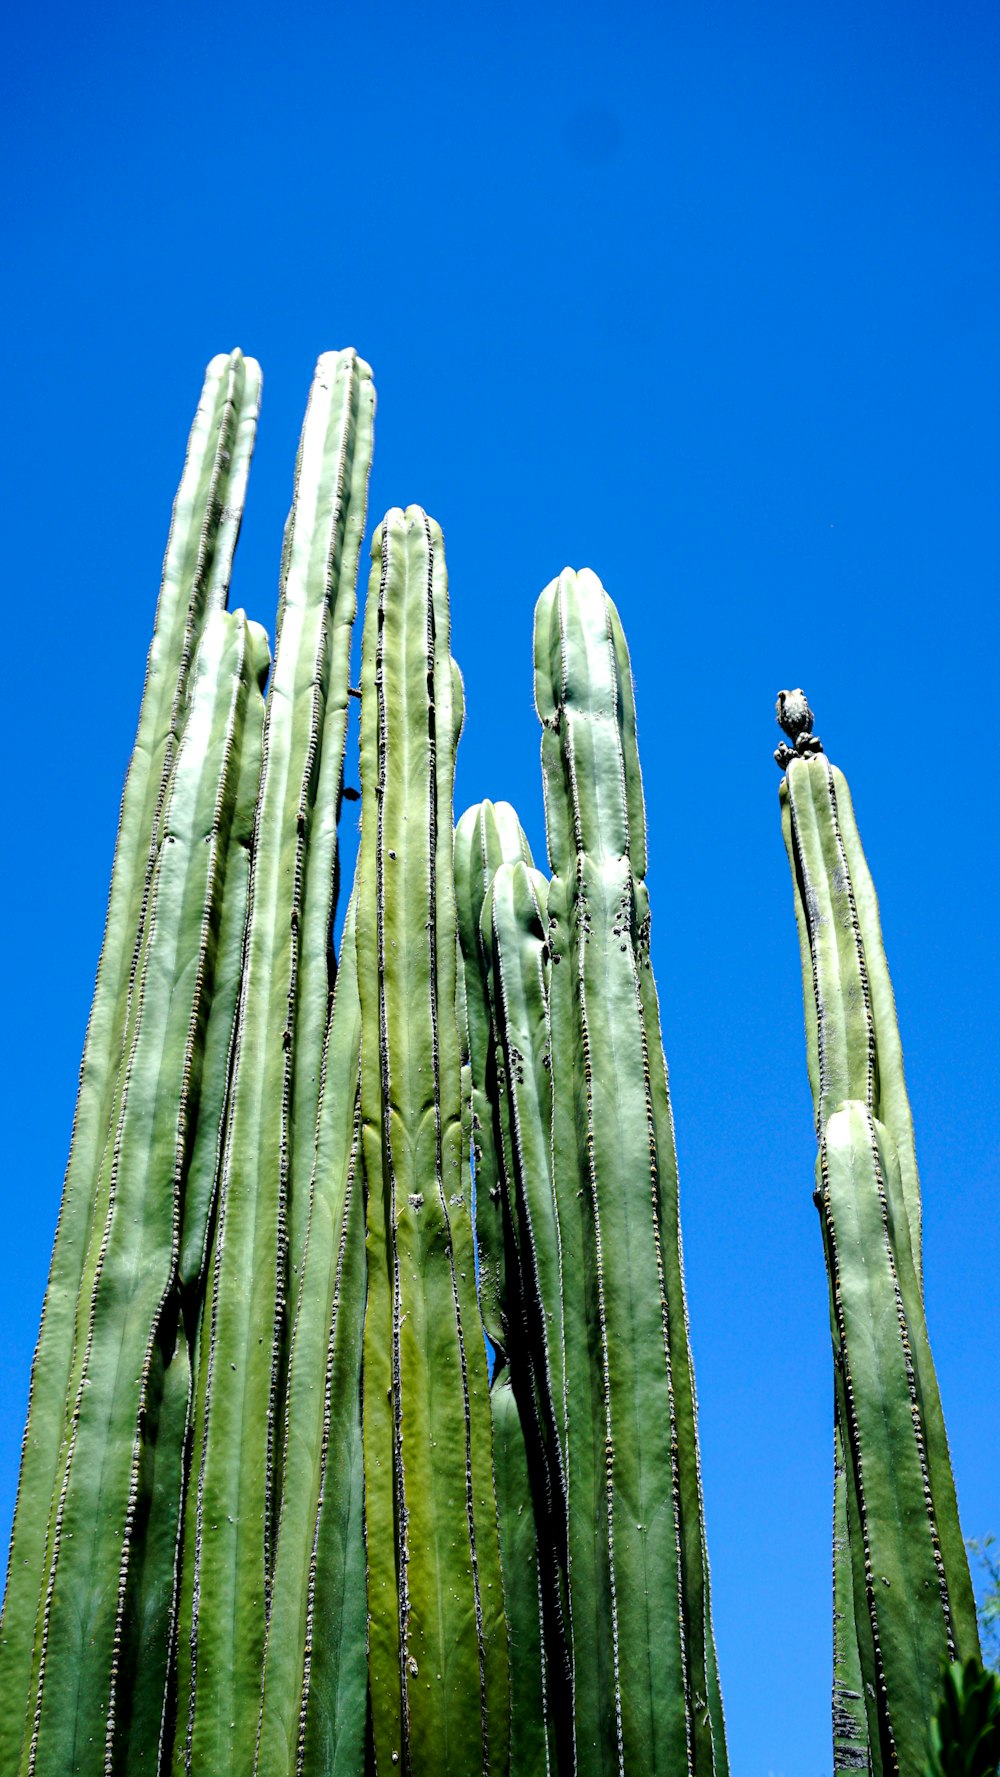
x=902 y=1595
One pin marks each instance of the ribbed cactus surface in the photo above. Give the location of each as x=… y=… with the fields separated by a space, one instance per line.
x=314 y=1699
x=437 y=1635
x=902 y=1596
x=234 y=1496
x=196 y=574
x=527 y=1394
x=362 y=1432
x=645 y=1693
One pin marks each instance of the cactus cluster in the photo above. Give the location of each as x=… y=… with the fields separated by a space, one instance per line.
x=362 y=1430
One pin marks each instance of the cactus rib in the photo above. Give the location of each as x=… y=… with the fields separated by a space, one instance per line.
x=630 y=1590
x=135 y=1276
x=900 y=1495
x=196 y=570
x=513 y=931
x=233 y=1503
x=855 y=1067
x=436 y=1636
x=315 y=1683
x=487 y=834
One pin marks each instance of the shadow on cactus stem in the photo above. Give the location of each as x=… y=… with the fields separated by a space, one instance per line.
x=965 y=1731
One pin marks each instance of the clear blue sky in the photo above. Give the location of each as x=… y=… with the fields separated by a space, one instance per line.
x=702 y=296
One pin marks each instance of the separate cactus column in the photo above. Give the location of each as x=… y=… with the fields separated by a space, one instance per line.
x=437 y=1641
x=528 y=1395
x=196 y=573
x=314 y=1704
x=487 y=835
x=903 y=1598
x=645 y=1693
x=135 y=1294
x=502 y=928
x=235 y=1489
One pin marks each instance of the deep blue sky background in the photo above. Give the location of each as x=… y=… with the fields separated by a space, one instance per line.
x=702 y=296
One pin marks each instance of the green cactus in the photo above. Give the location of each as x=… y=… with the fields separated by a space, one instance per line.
x=133 y=1311
x=645 y=1693
x=487 y=835
x=437 y=1638
x=513 y=937
x=903 y=1597
x=196 y=571
x=314 y=1701
x=273 y=1515
x=901 y=1504
x=502 y=931
x=234 y=1498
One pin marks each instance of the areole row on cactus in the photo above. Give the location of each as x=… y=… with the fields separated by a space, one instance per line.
x=903 y=1603
x=277 y=1513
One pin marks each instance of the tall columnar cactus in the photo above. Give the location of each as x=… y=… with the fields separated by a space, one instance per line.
x=528 y=1394
x=501 y=899
x=645 y=1693
x=134 y=1367
x=314 y=1699
x=234 y=1497
x=487 y=835
x=196 y=572
x=907 y=1600
x=274 y=1517
x=437 y=1638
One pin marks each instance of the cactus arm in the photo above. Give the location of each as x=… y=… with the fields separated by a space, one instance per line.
x=149 y=1608
x=847 y=1065
x=852 y=1031
x=708 y=1720
x=842 y=1061
x=516 y=957
x=437 y=1651
x=333 y=1714
x=486 y=836
x=481 y=1503
x=855 y=1055
x=583 y=1433
x=893 y=1101
x=810 y=995
x=323 y=547
x=233 y=1500
x=134 y=1288
x=315 y=1683
x=531 y=1753
x=953 y=1564
x=627 y=1587
x=911 y=1623
x=513 y=936
x=220 y=1036
x=195 y=576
